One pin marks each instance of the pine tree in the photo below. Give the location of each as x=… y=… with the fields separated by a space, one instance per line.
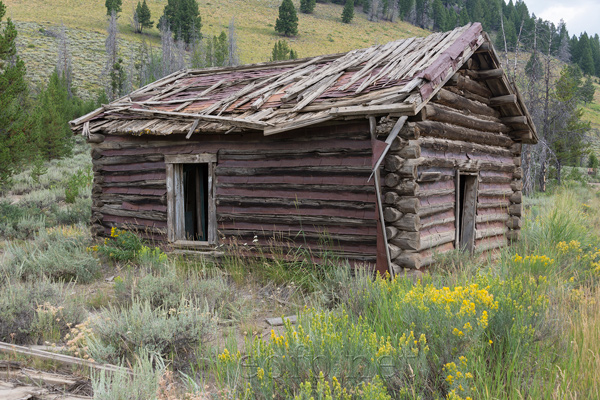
x=183 y=19
x=348 y=12
x=439 y=15
x=287 y=23
x=586 y=93
x=281 y=52
x=307 y=6
x=52 y=114
x=113 y=5
x=13 y=95
x=144 y=15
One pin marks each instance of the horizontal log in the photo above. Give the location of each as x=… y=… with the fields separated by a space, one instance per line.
x=407 y=222
x=306 y=170
x=516 y=197
x=391 y=232
x=516 y=148
x=138 y=182
x=513 y=235
x=324 y=238
x=408 y=131
x=243 y=201
x=514 y=223
x=296 y=227
x=301 y=220
x=453 y=132
x=518 y=120
x=466 y=83
x=517 y=161
x=137 y=159
x=485 y=233
x=138 y=199
x=411 y=260
x=395 y=251
x=448 y=115
x=405 y=188
x=437 y=239
x=515 y=209
x=96 y=138
x=518 y=173
x=459 y=102
x=469 y=95
x=117 y=211
x=403 y=204
x=412 y=150
x=407 y=240
x=390 y=214
x=429 y=176
x=393 y=162
x=398 y=144
x=491 y=243
x=325 y=212
x=516 y=185
x=290 y=190
x=429 y=210
x=492 y=217
x=496 y=73
x=505 y=100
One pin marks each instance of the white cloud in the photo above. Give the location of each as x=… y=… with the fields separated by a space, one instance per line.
x=579 y=15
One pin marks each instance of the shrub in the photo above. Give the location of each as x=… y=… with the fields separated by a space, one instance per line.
x=119 y=332
x=142 y=384
x=30 y=313
x=79 y=180
x=121 y=245
x=58 y=253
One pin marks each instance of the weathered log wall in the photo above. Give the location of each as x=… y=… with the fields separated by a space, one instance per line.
x=456 y=132
x=309 y=187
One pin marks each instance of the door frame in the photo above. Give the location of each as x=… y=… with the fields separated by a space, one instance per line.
x=175 y=198
x=459 y=213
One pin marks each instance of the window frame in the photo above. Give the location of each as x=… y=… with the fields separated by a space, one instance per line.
x=175 y=208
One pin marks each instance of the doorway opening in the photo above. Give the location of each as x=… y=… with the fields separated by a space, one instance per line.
x=466 y=211
x=195 y=204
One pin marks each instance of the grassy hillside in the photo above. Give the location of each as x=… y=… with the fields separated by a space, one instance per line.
x=592 y=114
x=319 y=33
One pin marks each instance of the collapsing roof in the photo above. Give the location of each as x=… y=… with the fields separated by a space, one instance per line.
x=396 y=78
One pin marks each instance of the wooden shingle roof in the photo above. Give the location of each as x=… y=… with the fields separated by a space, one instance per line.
x=396 y=78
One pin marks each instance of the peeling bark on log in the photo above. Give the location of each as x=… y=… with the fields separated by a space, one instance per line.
x=442 y=114
x=459 y=102
x=411 y=260
x=453 y=132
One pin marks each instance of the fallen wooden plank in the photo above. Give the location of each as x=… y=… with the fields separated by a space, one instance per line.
x=279 y=321
x=60 y=358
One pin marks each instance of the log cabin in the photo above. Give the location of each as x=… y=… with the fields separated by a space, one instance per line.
x=393 y=153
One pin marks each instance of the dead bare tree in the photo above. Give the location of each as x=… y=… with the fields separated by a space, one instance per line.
x=63 y=61
x=232 y=47
x=112 y=55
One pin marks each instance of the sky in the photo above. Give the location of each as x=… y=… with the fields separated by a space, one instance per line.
x=579 y=15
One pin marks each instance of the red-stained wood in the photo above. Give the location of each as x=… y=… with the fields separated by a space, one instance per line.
x=134 y=177
x=297 y=229
x=134 y=167
x=292 y=211
x=305 y=180
x=295 y=194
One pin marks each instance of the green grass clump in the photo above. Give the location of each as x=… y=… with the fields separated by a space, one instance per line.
x=60 y=254
x=36 y=312
x=118 y=333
